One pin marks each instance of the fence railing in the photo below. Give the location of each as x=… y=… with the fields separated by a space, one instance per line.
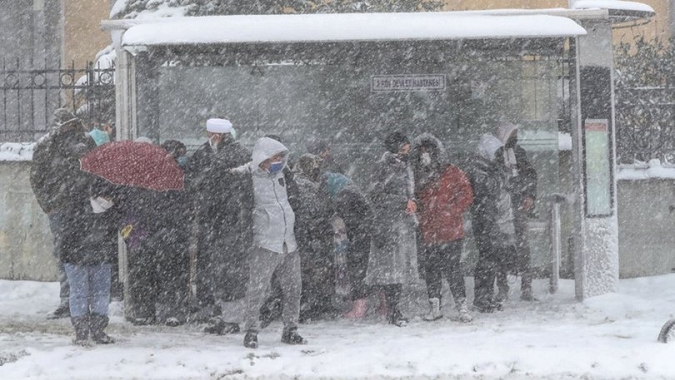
x=29 y=96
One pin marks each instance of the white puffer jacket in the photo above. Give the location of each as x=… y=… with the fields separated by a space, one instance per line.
x=273 y=217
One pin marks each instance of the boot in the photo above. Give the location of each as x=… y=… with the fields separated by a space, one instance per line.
x=81 y=325
x=98 y=323
x=251 y=339
x=526 y=295
x=464 y=313
x=290 y=336
x=63 y=311
x=396 y=318
x=358 y=310
x=218 y=326
x=434 y=310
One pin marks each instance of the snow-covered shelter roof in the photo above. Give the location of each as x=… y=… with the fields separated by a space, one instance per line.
x=347 y=27
x=618 y=10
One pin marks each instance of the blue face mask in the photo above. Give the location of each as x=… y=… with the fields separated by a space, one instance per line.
x=276 y=167
x=182 y=160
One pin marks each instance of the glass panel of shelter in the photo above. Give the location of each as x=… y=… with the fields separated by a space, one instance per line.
x=326 y=91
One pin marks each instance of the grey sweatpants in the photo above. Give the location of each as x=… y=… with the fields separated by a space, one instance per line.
x=262 y=265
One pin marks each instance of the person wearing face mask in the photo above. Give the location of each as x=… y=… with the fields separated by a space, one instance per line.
x=393 y=255
x=523 y=185
x=274 y=250
x=444 y=194
x=60 y=186
x=221 y=267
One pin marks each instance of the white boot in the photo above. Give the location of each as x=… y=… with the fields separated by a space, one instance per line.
x=464 y=313
x=434 y=310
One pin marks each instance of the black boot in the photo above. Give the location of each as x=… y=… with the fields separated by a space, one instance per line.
x=98 y=323
x=81 y=325
x=396 y=318
x=291 y=336
x=218 y=326
x=251 y=339
x=63 y=311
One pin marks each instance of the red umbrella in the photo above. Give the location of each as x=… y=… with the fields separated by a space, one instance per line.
x=134 y=164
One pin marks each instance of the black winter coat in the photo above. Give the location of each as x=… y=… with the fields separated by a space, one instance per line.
x=92 y=237
x=217 y=192
x=490 y=184
x=55 y=175
x=351 y=205
x=313 y=213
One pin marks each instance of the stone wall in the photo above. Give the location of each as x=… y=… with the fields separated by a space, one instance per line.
x=25 y=240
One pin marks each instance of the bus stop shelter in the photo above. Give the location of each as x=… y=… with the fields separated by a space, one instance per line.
x=351 y=78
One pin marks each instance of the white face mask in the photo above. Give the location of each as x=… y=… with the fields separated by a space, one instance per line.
x=425 y=158
x=100 y=204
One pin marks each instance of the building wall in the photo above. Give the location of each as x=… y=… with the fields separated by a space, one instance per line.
x=29 y=32
x=83 y=37
x=26 y=244
x=661 y=25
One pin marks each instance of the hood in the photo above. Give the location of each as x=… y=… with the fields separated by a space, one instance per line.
x=504 y=130
x=335 y=182
x=265 y=148
x=438 y=153
x=488 y=145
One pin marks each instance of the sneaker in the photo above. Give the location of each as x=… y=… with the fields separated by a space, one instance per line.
x=141 y=321
x=291 y=336
x=63 y=311
x=251 y=339
x=434 y=310
x=173 y=322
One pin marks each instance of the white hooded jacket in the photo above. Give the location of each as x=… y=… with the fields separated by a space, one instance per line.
x=273 y=217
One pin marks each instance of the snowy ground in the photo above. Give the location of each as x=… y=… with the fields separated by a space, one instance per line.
x=606 y=337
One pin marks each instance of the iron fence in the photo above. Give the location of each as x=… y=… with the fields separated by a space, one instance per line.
x=30 y=95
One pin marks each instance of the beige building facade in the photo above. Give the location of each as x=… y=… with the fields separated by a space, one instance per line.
x=662 y=25
x=83 y=37
x=82 y=34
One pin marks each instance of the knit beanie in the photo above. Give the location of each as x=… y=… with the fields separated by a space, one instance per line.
x=395 y=141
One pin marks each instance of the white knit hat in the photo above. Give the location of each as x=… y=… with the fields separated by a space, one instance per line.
x=218 y=126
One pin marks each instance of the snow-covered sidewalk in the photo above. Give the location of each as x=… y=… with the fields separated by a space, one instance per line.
x=607 y=337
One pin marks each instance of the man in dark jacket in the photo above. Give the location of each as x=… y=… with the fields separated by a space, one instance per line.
x=221 y=266
x=523 y=185
x=60 y=186
x=492 y=221
x=314 y=235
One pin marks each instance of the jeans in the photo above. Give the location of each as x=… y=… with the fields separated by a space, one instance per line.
x=56 y=226
x=89 y=289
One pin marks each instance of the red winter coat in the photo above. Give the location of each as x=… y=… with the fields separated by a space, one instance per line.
x=443 y=203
